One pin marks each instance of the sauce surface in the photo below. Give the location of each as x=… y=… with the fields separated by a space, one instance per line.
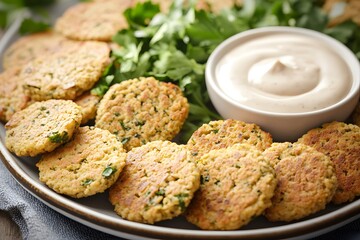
x=284 y=72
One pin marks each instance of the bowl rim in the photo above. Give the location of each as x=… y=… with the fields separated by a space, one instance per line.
x=350 y=59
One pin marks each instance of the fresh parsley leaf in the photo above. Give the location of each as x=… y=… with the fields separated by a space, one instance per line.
x=141 y=14
x=315 y=19
x=172 y=25
x=37 y=3
x=3 y=19
x=204 y=30
x=13 y=3
x=11 y=9
x=29 y=25
x=199 y=54
x=342 y=32
x=125 y=38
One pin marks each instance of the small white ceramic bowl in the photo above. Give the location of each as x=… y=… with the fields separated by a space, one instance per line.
x=282 y=126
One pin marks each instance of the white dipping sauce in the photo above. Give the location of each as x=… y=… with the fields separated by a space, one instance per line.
x=284 y=72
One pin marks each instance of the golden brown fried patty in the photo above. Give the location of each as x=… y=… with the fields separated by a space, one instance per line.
x=237 y=184
x=66 y=75
x=157 y=183
x=98 y=20
x=88 y=164
x=306 y=181
x=42 y=127
x=12 y=96
x=225 y=133
x=29 y=47
x=88 y=103
x=341 y=142
x=142 y=110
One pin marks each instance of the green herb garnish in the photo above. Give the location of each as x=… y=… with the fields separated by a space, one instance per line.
x=29 y=25
x=108 y=171
x=180 y=198
x=160 y=192
x=139 y=123
x=56 y=137
x=37 y=22
x=125 y=140
x=87 y=182
x=174 y=47
x=123 y=126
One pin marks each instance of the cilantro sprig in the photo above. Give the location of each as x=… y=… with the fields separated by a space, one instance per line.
x=175 y=46
x=36 y=19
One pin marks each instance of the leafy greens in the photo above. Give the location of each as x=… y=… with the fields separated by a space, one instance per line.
x=175 y=46
x=33 y=9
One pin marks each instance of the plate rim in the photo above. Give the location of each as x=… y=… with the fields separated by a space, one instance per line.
x=90 y=217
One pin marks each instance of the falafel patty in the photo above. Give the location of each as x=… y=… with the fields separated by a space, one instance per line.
x=42 y=127
x=141 y=110
x=157 y=183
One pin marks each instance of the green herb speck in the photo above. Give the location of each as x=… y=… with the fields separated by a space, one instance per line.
x=181 y=197
x=139 y=123
x=146 y=207
x=160 y=192
x=204 y=179
x=215 y=131
x=56 y=137
x=125 y=140
x=124 y=126
x=87 y=182
x=108 y=171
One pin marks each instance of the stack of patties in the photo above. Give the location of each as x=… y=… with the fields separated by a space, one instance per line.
x=46 y=97
x=62 y=69
x=45 y=75
x=52 y=65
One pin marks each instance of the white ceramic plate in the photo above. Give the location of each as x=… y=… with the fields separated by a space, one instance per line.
x=97 y=212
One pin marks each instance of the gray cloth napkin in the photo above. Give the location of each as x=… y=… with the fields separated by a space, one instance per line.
x=39 y=222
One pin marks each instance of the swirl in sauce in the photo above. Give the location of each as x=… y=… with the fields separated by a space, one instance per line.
x=284 y=72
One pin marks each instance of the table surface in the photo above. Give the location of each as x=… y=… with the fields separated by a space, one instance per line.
x=8 y=228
